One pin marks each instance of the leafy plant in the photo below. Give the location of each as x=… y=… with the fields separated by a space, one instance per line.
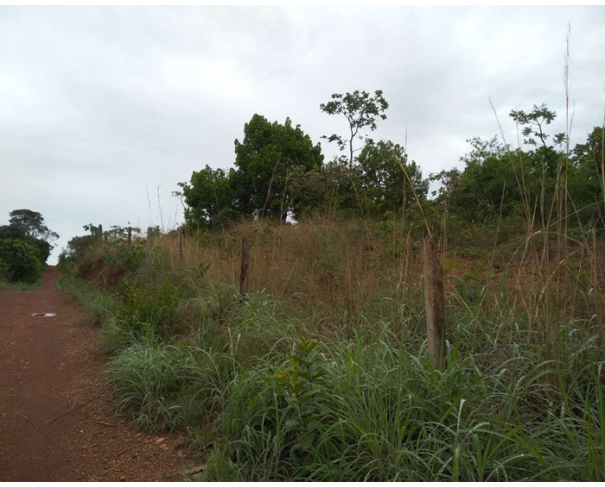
x=146 y=306
x=303 y=394
x=471 y=252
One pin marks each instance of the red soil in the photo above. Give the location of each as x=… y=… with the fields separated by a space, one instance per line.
x=57 y=413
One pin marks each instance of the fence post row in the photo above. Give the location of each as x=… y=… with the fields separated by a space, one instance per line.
x=243 y=277
x=180 y=244
x=434 y=301
x=148 y=246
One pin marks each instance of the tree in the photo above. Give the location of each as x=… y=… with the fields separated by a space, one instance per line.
x=586 y=179
x=324 y=189
x=533 y=124
x=384 y=184
x=499 y=182
x=361 y=111
x=21 y=261
x=266 y=158
x=28 y=226
x=209 y=197
x=32 y=224
x=475 y=194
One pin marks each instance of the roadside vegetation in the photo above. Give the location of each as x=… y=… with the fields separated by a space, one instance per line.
x=320 y=372
x=332 y=382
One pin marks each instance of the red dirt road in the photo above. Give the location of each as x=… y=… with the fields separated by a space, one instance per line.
x=50 y=367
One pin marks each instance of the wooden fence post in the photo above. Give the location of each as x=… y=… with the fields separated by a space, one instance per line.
x=434 y=301
x=129 y=236
x=100 y=233
x=180 y=244
x=148 y=246
x=243 y=276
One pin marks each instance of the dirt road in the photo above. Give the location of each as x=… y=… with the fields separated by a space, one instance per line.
x=56 y=409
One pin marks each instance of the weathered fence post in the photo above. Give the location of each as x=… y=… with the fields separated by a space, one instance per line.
x=148 y=247
x=243 y=276
x=434 y=302
x=129 y=236
x=180 y=244
x=100 y=233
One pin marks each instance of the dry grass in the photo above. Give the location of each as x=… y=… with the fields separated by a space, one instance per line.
x=346 y=268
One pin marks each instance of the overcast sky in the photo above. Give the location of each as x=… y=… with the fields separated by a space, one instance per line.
x=99 y=105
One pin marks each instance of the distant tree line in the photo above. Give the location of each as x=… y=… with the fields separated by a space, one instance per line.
x=280 y=172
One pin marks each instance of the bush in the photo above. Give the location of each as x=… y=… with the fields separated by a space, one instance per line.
x=22 y=259
x=130 y=257
x=148 y=309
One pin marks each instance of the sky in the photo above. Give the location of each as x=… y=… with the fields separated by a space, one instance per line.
x=103 y=110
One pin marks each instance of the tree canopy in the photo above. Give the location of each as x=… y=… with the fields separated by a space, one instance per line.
x=279 y=171
x=266 y=161
x=361 y=110
x=384 y=183
x=32 y=224
x=29 y=226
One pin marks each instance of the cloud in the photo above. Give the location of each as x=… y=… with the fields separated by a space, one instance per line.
x=101 y=106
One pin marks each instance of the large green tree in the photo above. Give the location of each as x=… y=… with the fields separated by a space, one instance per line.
x=384 y=184
x=266 y=159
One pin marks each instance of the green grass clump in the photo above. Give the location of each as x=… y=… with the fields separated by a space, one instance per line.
x=377 y=412
x=150 y=380
x=169 y=387
x=97 y=304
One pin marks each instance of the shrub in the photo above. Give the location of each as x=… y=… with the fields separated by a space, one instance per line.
x=148 y=309
x=130 y=257
x=22 y=260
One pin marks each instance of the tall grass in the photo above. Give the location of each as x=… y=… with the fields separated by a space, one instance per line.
x=520 y=397
x=98 y=304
